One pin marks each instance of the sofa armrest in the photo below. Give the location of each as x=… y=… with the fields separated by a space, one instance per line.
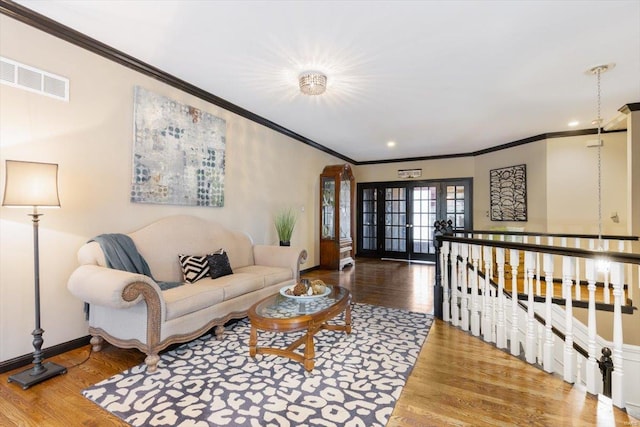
x=114 y=288
x=280 y=256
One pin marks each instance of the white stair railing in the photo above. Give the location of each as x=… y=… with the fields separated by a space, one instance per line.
x=476 y=303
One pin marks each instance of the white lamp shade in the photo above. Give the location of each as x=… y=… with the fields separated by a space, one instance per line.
x=30 y=184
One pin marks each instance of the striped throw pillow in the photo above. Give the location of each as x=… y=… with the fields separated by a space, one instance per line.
x=194 y=267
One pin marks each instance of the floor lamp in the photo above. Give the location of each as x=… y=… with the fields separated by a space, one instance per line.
x=30 y=184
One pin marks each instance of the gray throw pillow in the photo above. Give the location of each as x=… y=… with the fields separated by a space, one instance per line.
x=219 y=264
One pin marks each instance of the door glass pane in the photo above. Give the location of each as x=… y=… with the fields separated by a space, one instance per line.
x=424 y=214
x=395 y=219
x=369 y=216
x=451 y=192
x=455 y=205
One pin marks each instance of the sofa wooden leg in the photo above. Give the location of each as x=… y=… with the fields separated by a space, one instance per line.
x=219 y=332
x=96 y=343
x=152 y=362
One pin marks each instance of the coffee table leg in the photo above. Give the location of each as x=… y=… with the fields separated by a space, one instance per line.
x=253 y=341
x=347 y=319
x=309 y=352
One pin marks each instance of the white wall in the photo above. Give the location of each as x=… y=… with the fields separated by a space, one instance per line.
x=90 y=137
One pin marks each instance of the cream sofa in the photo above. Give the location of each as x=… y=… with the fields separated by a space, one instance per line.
x=130 y=310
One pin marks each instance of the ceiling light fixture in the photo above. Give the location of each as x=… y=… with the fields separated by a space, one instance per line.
x=573 y=123
x=312 y=83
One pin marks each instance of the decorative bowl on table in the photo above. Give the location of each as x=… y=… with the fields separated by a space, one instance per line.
x=306 y=290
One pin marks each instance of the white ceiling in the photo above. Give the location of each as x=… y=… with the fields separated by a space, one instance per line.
x=437 y=77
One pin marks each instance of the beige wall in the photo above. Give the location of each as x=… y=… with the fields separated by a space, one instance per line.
x=431 y=169
x=90 y=137
x=561 y=183
x=533 y=155
x=572 y=183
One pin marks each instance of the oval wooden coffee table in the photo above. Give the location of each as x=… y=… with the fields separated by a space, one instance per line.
x=279 y=313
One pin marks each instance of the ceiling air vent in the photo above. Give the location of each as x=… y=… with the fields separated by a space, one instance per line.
x=22 y=76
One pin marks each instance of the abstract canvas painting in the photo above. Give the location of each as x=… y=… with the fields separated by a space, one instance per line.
x=508 y=193
x=178 y=153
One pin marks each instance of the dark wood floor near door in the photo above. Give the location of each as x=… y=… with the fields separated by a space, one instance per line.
x=458 y=380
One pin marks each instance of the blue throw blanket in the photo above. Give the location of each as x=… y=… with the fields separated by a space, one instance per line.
x=121 y=254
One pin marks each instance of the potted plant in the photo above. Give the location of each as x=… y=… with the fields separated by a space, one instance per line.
x=285 y=222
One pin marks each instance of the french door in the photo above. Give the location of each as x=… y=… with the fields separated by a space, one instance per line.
x=395 y=219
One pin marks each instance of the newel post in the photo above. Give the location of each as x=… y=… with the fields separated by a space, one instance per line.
x=442 y=228
x=606 y=368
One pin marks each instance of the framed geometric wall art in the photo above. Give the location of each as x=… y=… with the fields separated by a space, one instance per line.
x=178 y=153
x=508 y=193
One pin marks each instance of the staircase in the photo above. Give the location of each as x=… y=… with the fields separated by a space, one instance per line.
x=568 y=298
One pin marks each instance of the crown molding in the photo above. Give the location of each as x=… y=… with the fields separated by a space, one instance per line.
x=49 y=26
x=628 y=108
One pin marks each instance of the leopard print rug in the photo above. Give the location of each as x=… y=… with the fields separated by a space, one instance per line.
x=356 y=381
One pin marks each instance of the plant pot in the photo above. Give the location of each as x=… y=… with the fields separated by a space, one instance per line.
x=287 y=243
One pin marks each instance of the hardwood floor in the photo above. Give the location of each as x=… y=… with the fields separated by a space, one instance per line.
x=458 y=380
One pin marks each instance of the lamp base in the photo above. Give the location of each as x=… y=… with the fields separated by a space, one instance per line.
x=27 y=378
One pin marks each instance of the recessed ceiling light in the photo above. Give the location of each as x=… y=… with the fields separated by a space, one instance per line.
x=391 y=144
x=573 y=123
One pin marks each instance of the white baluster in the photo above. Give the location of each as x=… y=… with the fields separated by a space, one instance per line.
x=455 y=309
x=548 y=303
x=621 y=248
x=487 y=253
x=606 y=291
x=475 y=309
x=539 y=343
x=578 y=286
x=617 y=377
x=530 y=343
x=579 y=370
x=538 y=285
x=563 y=243
x=487 y=329
x=446 y=305
x=501 y=338
x=592 y=364
x=514 y=260
x=464 y=286
x=568 y=267
x=605 y=272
